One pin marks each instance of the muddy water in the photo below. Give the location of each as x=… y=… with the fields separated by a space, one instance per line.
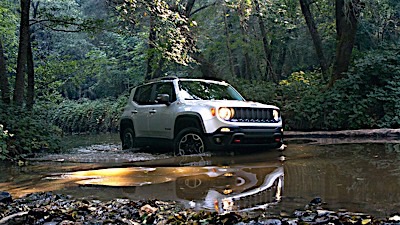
x=359 y=177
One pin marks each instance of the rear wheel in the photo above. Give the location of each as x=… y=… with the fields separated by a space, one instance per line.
x=189 y=141
x=128 y=138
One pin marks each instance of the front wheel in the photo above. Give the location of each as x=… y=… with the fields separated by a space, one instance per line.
x=128 y=138
x=189 y=141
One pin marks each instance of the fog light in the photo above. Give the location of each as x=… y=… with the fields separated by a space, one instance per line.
x=218 y=140
x=225 y=129
x=227 y=191
x=277 y=139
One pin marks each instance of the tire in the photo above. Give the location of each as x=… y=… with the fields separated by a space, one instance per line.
x=128 y=138
x=189 y=141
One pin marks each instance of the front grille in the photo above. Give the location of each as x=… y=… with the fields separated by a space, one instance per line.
x=265 y=197
x=253 y=115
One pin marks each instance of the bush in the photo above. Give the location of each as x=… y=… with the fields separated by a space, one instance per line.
x=23 y=132
x=85 y=116
x=367 y=98
x=259 y=91
x=4 y=138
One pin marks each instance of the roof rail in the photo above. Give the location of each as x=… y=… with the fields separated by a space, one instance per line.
x=212 y=78
x=162 y=78
x=169 y=78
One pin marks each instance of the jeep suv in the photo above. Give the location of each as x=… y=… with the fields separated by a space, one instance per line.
x=192 y=116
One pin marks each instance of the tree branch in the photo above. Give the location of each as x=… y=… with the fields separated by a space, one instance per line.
x=52 y=23
x=201 y=8
x=35 y=21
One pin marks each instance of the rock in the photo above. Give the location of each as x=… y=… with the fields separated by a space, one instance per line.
x=52 y=209
x=322 y=212
x=5 y=197
x=147 y=209
x=316 y=201
x=309 y=217
x=272 y=222
x=394 y=218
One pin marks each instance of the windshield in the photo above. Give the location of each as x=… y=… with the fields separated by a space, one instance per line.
x=199 y=90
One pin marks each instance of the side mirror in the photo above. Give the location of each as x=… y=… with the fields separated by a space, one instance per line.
x=163 y=98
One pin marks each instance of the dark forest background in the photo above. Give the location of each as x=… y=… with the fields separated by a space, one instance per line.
x=66 y=66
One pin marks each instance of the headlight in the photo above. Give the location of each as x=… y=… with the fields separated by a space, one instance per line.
x=226 y=113
x=275 y=114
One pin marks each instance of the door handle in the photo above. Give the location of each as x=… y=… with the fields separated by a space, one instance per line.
x=151 y=111
x=134 y=111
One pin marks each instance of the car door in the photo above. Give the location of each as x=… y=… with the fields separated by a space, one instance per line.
x=161 y=114
x=140 y=112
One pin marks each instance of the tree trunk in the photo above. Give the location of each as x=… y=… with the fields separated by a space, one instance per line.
x=339 y=11
x=151 y=50
x=282 y=57
x=347 y=14
x=22 y=53
x=4 y=88
x=246 y=74
x=228 y=45
x=305 y=9
x=155 y=69
x=206 y=67
x=189 y=7
x=30 y=95
x=269 y=72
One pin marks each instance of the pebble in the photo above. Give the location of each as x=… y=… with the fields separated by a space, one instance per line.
x=53 y=209
x=5 y=197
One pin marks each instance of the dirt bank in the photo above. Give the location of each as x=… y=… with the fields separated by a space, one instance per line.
x=345 y=136
x=365 y=133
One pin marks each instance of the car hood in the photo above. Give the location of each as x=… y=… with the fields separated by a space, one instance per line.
x=228 y=103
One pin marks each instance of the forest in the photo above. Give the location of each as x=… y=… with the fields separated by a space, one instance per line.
x=66 y=66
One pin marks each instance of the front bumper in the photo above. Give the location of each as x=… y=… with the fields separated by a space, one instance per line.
x=243 y=137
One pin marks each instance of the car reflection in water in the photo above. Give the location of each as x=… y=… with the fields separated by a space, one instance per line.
x=240 y=187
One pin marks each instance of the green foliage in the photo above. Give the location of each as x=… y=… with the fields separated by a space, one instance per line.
x=367 y=98
x=23 y=133
x=300 y=99
x=4 y=138
x=174 y=41
x=380 y=20
x=86 y=116
x=260 y=91
x=64 y=15
x=8 y=26
x=119 y=65
x=91 y=72
x=106 y=62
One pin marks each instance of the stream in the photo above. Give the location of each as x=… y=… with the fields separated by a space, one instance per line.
x=358 y=176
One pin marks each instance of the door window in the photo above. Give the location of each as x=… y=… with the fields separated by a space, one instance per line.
x=143 y=95
x=166 y=88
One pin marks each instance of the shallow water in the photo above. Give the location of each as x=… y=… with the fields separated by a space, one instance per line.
x=359 y=177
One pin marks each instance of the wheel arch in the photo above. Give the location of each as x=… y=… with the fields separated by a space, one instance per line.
x=125 y=123
x=191 y=120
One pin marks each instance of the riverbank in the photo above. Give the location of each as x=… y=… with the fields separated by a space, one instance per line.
x=54 y=209
x=362 y=133
x=344 y=136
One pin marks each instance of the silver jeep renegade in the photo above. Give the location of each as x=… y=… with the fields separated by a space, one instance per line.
x=192 y=116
